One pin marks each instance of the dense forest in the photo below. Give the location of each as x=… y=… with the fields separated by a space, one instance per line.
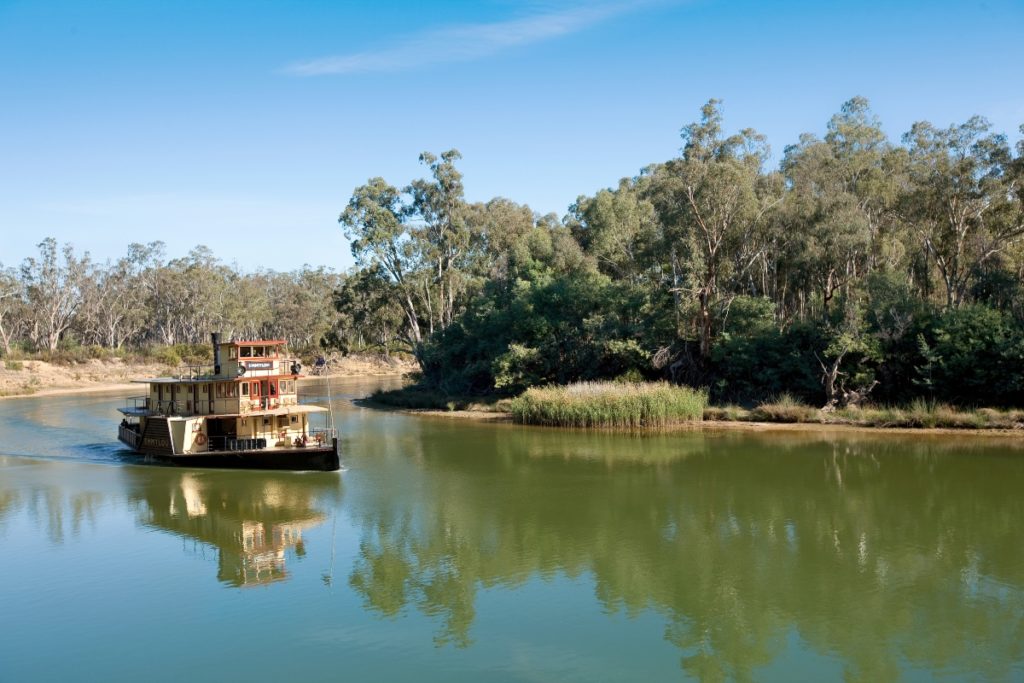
x=859 y=268
x=60 y=301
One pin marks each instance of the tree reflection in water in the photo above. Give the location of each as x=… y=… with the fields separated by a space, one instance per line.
x=885 y=553
x=873 y=549
x=37 y=489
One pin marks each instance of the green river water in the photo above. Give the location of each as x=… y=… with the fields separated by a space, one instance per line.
x=451 y=550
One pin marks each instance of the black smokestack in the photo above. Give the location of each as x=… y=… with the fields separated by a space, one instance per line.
x=215 y=337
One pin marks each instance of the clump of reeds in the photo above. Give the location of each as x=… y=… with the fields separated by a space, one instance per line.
x=616 y=405
x=785 y=408
x=924 y=414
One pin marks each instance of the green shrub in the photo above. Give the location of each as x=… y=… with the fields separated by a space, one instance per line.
x=15 y=365
x=609 y=404
x=418 y=397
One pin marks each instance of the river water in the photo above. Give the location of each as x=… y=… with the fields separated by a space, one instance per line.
x=450 y=550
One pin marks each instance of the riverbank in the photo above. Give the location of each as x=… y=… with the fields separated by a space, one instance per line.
x=712 y=424
x=41 y=378
x=782 y=414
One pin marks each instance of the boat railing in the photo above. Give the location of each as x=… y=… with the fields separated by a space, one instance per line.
x=201 y=371
x=171 y=407
x=137 y=402
x=234 y=443
x=129 y=434
x=279 y=365
x=323 y=435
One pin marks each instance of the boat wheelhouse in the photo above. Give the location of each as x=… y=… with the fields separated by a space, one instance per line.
x=243 y=411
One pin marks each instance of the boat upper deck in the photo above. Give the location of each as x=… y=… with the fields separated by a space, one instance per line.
x=138 y=407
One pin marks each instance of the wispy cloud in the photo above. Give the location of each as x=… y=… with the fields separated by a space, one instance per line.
x=465 y=42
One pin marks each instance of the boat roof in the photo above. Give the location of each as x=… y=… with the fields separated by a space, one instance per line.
x=285 y=410
x=254 y=342
x=197 y=380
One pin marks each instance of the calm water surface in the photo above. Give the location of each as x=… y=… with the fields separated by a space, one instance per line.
x=456 y=551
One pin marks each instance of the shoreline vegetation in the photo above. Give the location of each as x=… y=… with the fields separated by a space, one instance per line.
x=862 y=280
x=881 y=279
x=624 y=406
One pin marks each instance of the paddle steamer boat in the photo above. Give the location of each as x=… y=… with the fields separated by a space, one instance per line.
x=243 y=411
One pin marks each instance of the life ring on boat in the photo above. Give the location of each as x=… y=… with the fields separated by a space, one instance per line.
x=201 y=438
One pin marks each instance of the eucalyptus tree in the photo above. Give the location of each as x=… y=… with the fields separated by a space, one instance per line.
x=514 y=247
x=442 y=234
x=619 y=228
x=13 y=309
x=114 y=296
x=53 y=290
x=368 y=313
x=964 y=199
x=375 y=222
x=300 y=305
x=713 y=200
x=420 y=238
x=504 y=237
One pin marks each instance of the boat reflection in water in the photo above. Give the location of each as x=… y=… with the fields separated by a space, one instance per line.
x=254 y=520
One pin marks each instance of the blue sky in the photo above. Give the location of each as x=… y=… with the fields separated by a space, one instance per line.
x=245 y=126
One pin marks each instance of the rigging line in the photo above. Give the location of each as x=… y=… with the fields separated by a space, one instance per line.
x=330 y=402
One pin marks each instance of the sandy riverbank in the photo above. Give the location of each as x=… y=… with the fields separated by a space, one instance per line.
x=40 y=378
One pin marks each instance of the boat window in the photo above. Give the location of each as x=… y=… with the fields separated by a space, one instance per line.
x=233 y=352
x=266 y=421
x=204 y=388
x=220 y=390
x=229 y=390
x=273 y=388
x=295 y=419
x=245 y=388
x=257 y=352
x=246 y=352
x=255 y=392
x=282 y=420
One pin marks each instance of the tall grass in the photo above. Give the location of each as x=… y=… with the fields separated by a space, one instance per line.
x=617 y=405
x=919 y=414
x=785 y=408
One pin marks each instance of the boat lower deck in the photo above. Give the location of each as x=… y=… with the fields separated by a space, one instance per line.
x=324 y=457
x=319 y=458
